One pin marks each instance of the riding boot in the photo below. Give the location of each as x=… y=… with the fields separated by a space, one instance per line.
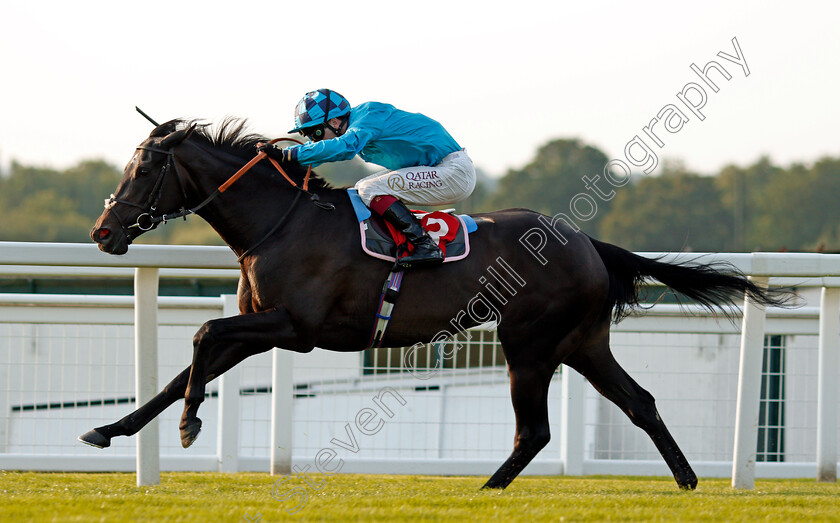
x=426 y=252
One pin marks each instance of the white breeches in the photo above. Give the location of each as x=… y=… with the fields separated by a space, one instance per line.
x=450 y=181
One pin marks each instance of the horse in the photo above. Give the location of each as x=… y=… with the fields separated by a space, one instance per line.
x=305 y=282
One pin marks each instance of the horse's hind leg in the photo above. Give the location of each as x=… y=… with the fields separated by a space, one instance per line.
x=599 y=366
x=529 y=393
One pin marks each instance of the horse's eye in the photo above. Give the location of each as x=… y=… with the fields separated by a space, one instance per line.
x=143 y=171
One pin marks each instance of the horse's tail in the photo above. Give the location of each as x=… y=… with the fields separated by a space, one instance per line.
x=714 y=286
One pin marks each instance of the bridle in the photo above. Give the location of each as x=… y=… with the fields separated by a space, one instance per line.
x=147 y=221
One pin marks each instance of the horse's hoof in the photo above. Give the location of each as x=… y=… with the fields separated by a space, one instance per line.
x=688 y=484
x=189 y=432
x=95 y=439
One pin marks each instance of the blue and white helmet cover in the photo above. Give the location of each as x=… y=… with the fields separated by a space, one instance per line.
x=316 y=107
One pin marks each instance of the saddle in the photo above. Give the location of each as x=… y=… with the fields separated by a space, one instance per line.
x=381 y=240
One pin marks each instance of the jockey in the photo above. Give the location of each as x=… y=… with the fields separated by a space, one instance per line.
x=423 y=164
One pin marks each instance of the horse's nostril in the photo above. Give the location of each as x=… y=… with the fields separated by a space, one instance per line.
x=103 y=233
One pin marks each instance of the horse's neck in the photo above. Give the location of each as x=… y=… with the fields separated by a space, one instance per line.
x=248 y=209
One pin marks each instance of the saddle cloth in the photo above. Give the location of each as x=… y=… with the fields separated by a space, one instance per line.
x=381 y=240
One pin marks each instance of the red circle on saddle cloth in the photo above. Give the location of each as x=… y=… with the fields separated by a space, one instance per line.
x=441 y=226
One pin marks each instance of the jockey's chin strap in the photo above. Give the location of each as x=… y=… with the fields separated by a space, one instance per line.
x=146 y=221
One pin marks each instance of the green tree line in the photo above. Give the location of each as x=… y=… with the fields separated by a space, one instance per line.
x=760 y=207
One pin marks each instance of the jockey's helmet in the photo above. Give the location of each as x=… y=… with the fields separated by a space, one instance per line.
x=318 y=107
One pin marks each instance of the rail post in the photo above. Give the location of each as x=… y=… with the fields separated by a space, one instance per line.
x=282 y=407
x=572 y=423
x=229 y=383
x=827 y=385
x=749 y=391
x=145 y=377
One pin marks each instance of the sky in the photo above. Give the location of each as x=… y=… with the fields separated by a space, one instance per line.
x=503 y=77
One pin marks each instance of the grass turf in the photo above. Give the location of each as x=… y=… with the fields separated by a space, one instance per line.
x=33 y=496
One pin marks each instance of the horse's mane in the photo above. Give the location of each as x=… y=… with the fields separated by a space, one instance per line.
x=232 y=136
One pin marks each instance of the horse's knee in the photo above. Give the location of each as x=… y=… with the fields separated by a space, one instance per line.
x=178 y=385
x=644 y=415
x=534 y=438
x=206 y=335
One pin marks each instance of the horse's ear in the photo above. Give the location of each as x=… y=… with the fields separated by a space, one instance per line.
x=174 y=138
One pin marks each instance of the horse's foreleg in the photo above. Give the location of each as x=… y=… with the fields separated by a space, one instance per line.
x=610 y=379
x=529 y=393
x=131 y=424
x=258 y=332
x=223 y=359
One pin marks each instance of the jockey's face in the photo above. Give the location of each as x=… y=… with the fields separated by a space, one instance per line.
x=334 y=123
x=334 y=128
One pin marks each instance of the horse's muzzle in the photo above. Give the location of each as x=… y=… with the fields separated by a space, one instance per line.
x=110 y=240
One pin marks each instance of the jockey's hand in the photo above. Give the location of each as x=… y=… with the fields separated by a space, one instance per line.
x=281 y=155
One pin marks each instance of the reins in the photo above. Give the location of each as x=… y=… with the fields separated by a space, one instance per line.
x=304 y=188
x=151 y=222
x=256 y=159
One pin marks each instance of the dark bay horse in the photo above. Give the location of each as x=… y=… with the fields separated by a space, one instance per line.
x=306 y=283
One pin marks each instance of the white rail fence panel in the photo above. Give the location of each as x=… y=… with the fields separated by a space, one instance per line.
x=65 y=378
x=694 y=377
x=67 y=365
x=67 y=369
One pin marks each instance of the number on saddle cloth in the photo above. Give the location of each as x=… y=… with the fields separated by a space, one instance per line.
x=450 y=231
